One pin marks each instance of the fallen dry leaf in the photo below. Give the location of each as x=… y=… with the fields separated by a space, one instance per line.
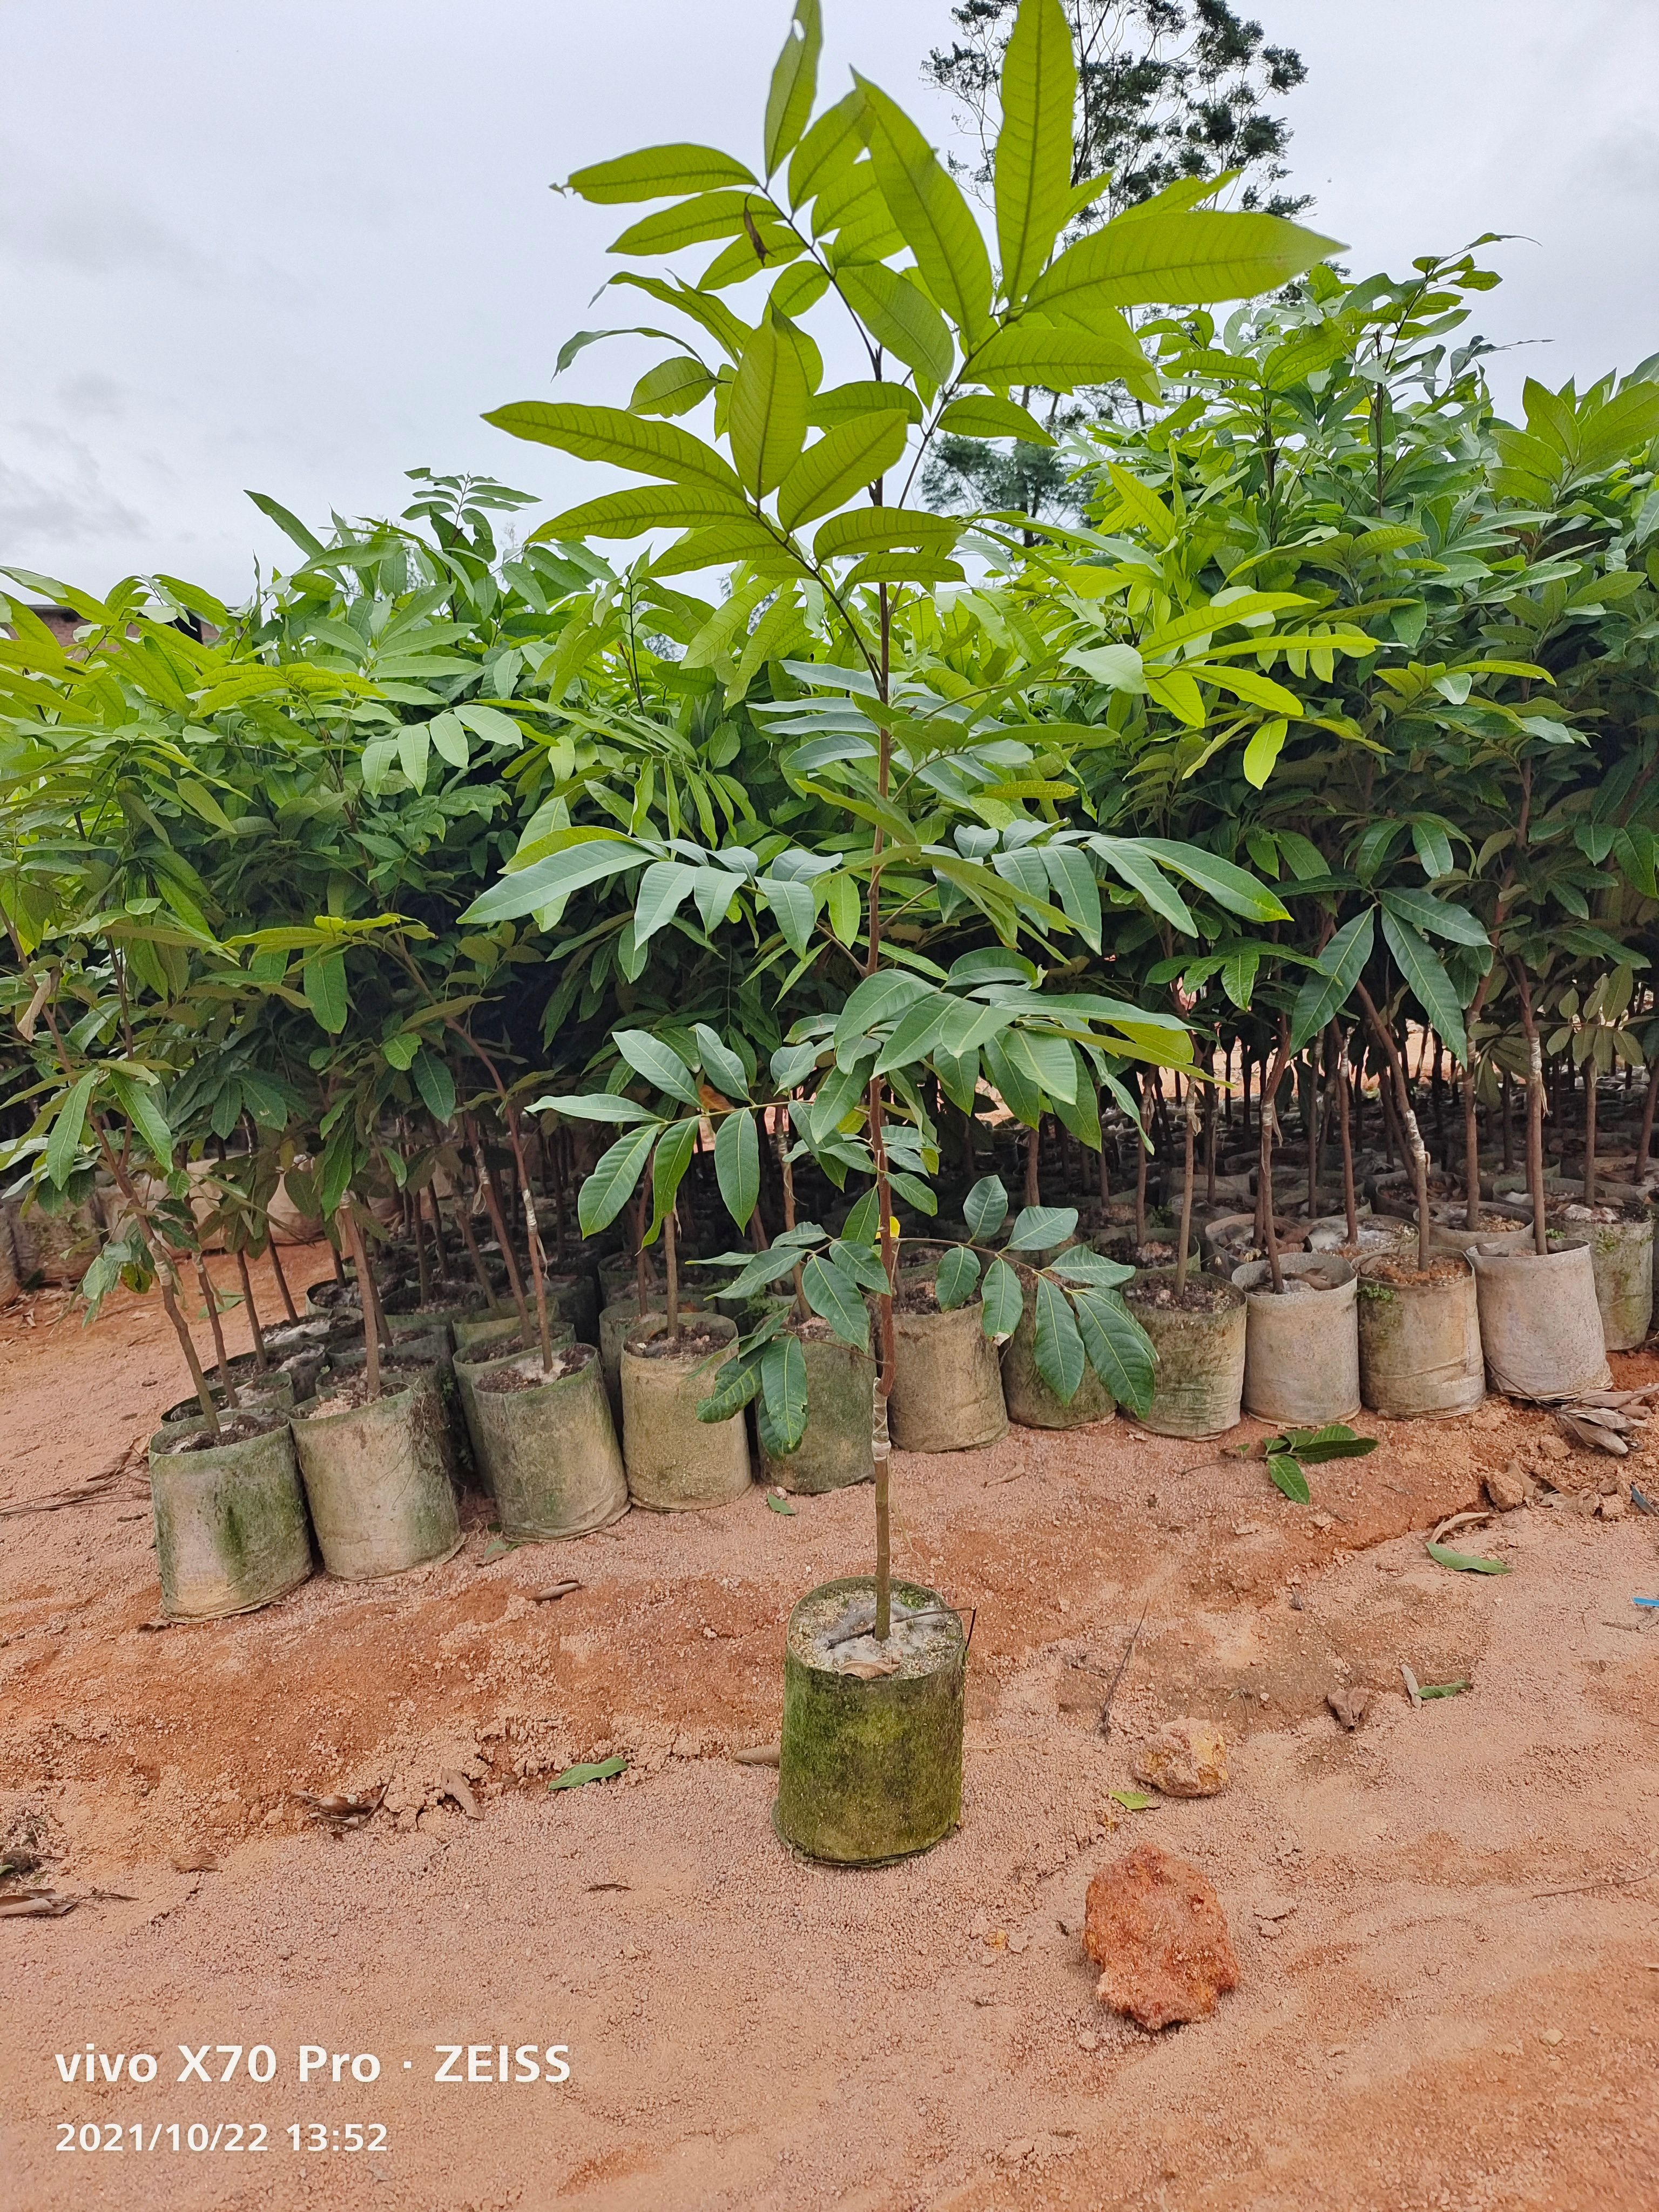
x=38 y=1908
x=456 y=1786
x=557 y=1590
x=871 y=1670
x=761 y=1755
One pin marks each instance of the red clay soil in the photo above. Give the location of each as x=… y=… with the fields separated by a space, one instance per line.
x=1447 y=1923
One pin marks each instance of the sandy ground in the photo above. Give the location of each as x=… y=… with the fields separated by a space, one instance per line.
x=1448 y=1922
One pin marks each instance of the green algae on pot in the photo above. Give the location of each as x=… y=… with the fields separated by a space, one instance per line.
x=617 y=1322
x=676 y=1462
x=378 y=1474
x=837 y=1447
x=947 y=1384
x=1031 y=1403
x=871 y=1764
x=230 y=1521
x=1419 y=1337
x=1621 y=1251
x=509 y=1342
x=1198 y=1334
x=546 y=1446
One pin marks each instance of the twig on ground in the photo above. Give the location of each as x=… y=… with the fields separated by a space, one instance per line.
x=1122 y=1670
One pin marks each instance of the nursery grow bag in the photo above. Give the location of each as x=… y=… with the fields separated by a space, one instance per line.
x=546 y=1444
x=838 y=1447
x=378 y=1478
x=1198 y=1383
x=618 y=1322
x=947 y=1384
x=871 y=1768
x=1621 y=1260
x=1419 y=1337
x=1539 y=1324
x=1302 y=1346
x=676 y=1463
x=230 y=1522
x=509 y=1342
x=1029 y=1401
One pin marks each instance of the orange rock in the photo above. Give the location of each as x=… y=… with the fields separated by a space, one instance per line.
x=1184 y=1759
x=1156 y=1929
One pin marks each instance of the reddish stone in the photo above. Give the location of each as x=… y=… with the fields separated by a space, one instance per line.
x=1156 y=1929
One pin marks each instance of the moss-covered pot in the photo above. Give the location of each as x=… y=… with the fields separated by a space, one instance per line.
x=491 y=1325
x=272 y=1392
x=1199 y=1384
x=230 y=1522
x=838 y=1446
x=1030 y=1402
x=548 y=1453
x=676 y=1463
x=504 y=1343
x=1541 y=1327
x=1301 y=1346
x=380 y=1479
x=1621 y=1260
x=617 y=1321
x=1420 y=1342
x=947 y=1384
x=870 y=1771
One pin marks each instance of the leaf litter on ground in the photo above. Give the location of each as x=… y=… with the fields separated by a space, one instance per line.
x=599 y=1769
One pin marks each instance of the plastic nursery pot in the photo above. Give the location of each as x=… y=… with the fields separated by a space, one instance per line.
x=508 y=1343
x=1199 y=1384
x=1029 y=1401
x=871 y=1768
x=1302 y=1343
x=838 y=1447
x=947 y=1381
x=1540 y=1323
x=546 y=1444
x=617 y=1322
x=230 y=1521
x=676 y=1463
x=1621 y=1260
x=378 y=1475
x=1419 y=1337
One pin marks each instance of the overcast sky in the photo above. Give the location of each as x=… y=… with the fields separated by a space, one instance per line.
x=301 y=247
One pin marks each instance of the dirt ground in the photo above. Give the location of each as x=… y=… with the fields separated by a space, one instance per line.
x=1447 y=1923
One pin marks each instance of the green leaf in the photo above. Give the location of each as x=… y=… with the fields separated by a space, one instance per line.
x=1133 y=1801
x=1037 y=353
x=932 y=215
x=1120 y=1351
x=900 y=317
x=611 y=1184
x=449 y=739
x=795 y=84
x=783 y=1392
x=1034 y=146
x=658 y=1063
x=957 y=1278
x=1424 y=972
x=435 y=1085
x=720 y=1064
x=1040 y=1228
x=776 y=1504
x=1467 y=1563
x=1334 y=1441
x=1005 y=1302
x=1288 y=1477
x=139 y=1102
x=324 y=981
x=983 y=414
x=1425 y=912
x=1060 y=1356
x=587 y=859
x=1445 y=1689
x=795 y=907
x=646 y=507
x=594 y=1106
x=839 y=466
x=737 y=1385
x=836 y=1298
x=1179 y=259
x=674 y=386
x=1326 y=989
x=869 y=396
x=737 y=1165
x=65 y=1141
x=413 y=747
x=628 y=441
x=603 y=1770
x=1078 y=1264
x=985 y=1208
x=1264 y=749
x=658 y=173
x=668 y=1167
x=766 y=412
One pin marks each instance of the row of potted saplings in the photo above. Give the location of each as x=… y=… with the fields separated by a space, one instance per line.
x=570 y=1406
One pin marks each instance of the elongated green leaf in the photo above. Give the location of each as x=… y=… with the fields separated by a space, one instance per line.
x=65 y=1142
x=928 y=205
x=783 y=1393
x=628 y=441
x=1230 y=887
x=658 y=173
x=986 y=1207
x=737 y=1165
x=1283 y=1471
x=737 y=1384
x=693 y=222
x=664 y=889
x=1326 y=989
x=1336 y=1440
x=766 y=413
x=878 y=529
x=868 y=396
x=1040 y=1228
x=840 y=465
x=611 y=1184
x=795 y=84
x=795 y=908
x=1120 y=1351
x=1005 y=1301
x=414 y=747
x=834 y=1297
x=1127 y=858
x=324 y=981
x=668 y=1166
x=1060 y=359
x=1013 y=1081
x=1434 y=915
x=1034 y=146
x=1179 y=260
x=141 y=1103
x=1467 y=1563
x=1261 y=754
x=899 y=315
x=435 y=1085
x=1060 y=1355
x=601 y=1770
x=594 y=1106
x=1425 y=974
x=658 y=1063
x=957 y=1278
x=1076 y=888
x=673 y=387
x=1078 y=1263
x=649 y=507
x=720 y=1064
x=983 y=414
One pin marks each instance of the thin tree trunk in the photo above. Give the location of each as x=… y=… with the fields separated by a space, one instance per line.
x=1140 y=1171
x=187 y=1345
x=1535 y=1110
x=277 y=1269
x=1471 y=1152
x=1350 y=1201
x=1507 y=1122
x=1210 y=1132
x=671 y=1262
x=1419 y=1153
x=463 y=1216
x=1589 y=1128
x=1105 y=1172
x=1184 y=1232
x=493 y=1207
x=366 y=1291
x=1268 y=1119
x=262 y=1365
x=210 y=1296
x=782 y=1138
x=533 y=1237
x=1032 y=1184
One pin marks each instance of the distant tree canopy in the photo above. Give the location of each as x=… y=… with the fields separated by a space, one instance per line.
x=1166 y=89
